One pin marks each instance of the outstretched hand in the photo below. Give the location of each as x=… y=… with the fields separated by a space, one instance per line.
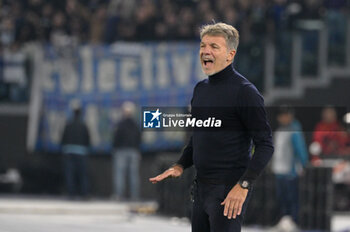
x=234 y=201
x=175 y=171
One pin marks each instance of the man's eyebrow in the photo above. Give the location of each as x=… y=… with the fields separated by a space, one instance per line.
x=211 y=44
x=214 y=44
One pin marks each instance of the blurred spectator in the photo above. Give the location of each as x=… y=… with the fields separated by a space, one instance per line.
x=124 y=8
x=187 y=20
x=7 y=29
x=167 y=23
x=288 y=161
x=77 y=19
x=336 y=14
x=311 y=9
x=75 y=148
x=97 y=30
x=154 y=20
x=14 y=73
x=126 y=155
x=59 y=33
x=330 y=134
x=279 y=14
x=145 y=19
x=46 y=22
x=259 y=18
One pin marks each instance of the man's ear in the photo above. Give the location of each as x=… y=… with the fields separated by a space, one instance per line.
x=231 y=55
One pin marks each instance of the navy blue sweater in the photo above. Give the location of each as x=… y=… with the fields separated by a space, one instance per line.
x=225 y=154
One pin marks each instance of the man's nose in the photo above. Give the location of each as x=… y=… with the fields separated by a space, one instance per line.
x=206 y=51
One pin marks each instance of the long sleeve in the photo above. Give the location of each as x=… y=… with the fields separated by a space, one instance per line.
x=186 y=160
x=253 y=115
x=300 y=147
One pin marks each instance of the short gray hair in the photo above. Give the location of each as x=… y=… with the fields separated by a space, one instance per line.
x=230 y=33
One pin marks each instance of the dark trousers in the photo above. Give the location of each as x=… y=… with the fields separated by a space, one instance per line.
x=76 y=174
x=287 y=195
x=208 y=213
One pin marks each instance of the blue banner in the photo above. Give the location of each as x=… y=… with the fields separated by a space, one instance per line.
x=103 y=77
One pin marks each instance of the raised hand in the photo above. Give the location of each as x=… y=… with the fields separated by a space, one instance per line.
x=174 y=171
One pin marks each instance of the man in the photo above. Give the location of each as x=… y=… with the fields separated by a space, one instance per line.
x=289 y=159
x=225 y=169
x=126 y=156
x=75 y=147
x=330 y=134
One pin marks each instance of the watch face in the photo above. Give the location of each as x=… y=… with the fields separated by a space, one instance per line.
x=245 y=184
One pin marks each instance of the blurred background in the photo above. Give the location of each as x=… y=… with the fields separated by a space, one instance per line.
x=58 y=57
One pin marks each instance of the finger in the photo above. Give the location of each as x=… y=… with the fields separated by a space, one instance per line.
x=222 y=203
x=240 y=209
x=166 y=174
x=163 y=176
x=154 y=178
x=157 y=178
x=236 y=209
x=160 y=177
x=231 y=209
x=153 y=181
x=226 y=208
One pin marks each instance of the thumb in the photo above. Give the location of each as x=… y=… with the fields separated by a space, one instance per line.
x=222 y=203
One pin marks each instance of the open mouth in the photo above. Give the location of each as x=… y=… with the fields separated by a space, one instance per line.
x=207 y=62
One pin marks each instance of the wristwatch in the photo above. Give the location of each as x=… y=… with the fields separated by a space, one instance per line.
x=244 y=184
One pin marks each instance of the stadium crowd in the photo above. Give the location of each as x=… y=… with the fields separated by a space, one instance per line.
x=69 y=23
x=105 y=21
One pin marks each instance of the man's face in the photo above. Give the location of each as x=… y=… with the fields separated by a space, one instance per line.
x=329 y=115
x=214 y=54
x=285 y=119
